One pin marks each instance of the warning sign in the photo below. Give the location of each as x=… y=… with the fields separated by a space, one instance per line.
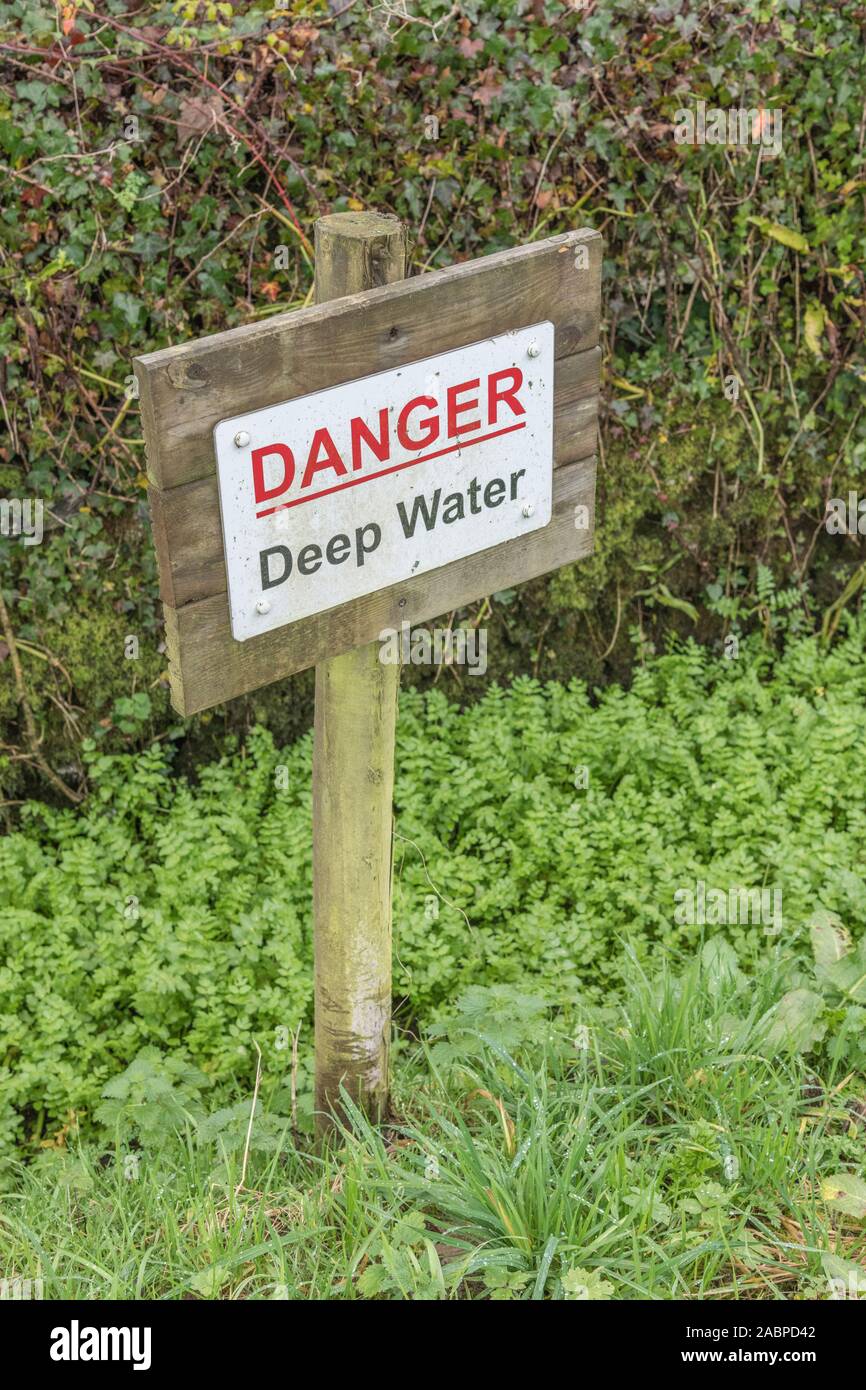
x=346 y=491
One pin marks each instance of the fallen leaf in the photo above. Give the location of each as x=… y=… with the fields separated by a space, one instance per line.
x=846 y=1192
x=785 y=235
x=814 y=320
x=198 y=114
x=487 y=89
x=300 y=35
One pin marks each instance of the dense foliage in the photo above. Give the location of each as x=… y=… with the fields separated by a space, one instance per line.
x=165 y=166
x=538 y=831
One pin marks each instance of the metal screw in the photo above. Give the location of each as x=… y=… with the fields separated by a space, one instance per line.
x=528 y=509
x=533 y=350
x=242 y=439
x=263 y=606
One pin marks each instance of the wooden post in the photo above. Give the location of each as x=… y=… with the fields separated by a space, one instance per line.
x=353 y=778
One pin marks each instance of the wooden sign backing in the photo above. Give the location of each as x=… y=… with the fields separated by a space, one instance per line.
x=186 y=390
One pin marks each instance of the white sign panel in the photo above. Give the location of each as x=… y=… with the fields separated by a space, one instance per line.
x=353 y=489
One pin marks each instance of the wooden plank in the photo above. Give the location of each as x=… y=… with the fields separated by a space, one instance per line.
x=185 y=390
x=186 y=519
x=207 y=666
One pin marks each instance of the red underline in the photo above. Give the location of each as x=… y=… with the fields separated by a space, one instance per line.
x=383 y=472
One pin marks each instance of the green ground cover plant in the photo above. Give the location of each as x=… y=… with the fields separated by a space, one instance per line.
x=539 y=832
x=665 y=1146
